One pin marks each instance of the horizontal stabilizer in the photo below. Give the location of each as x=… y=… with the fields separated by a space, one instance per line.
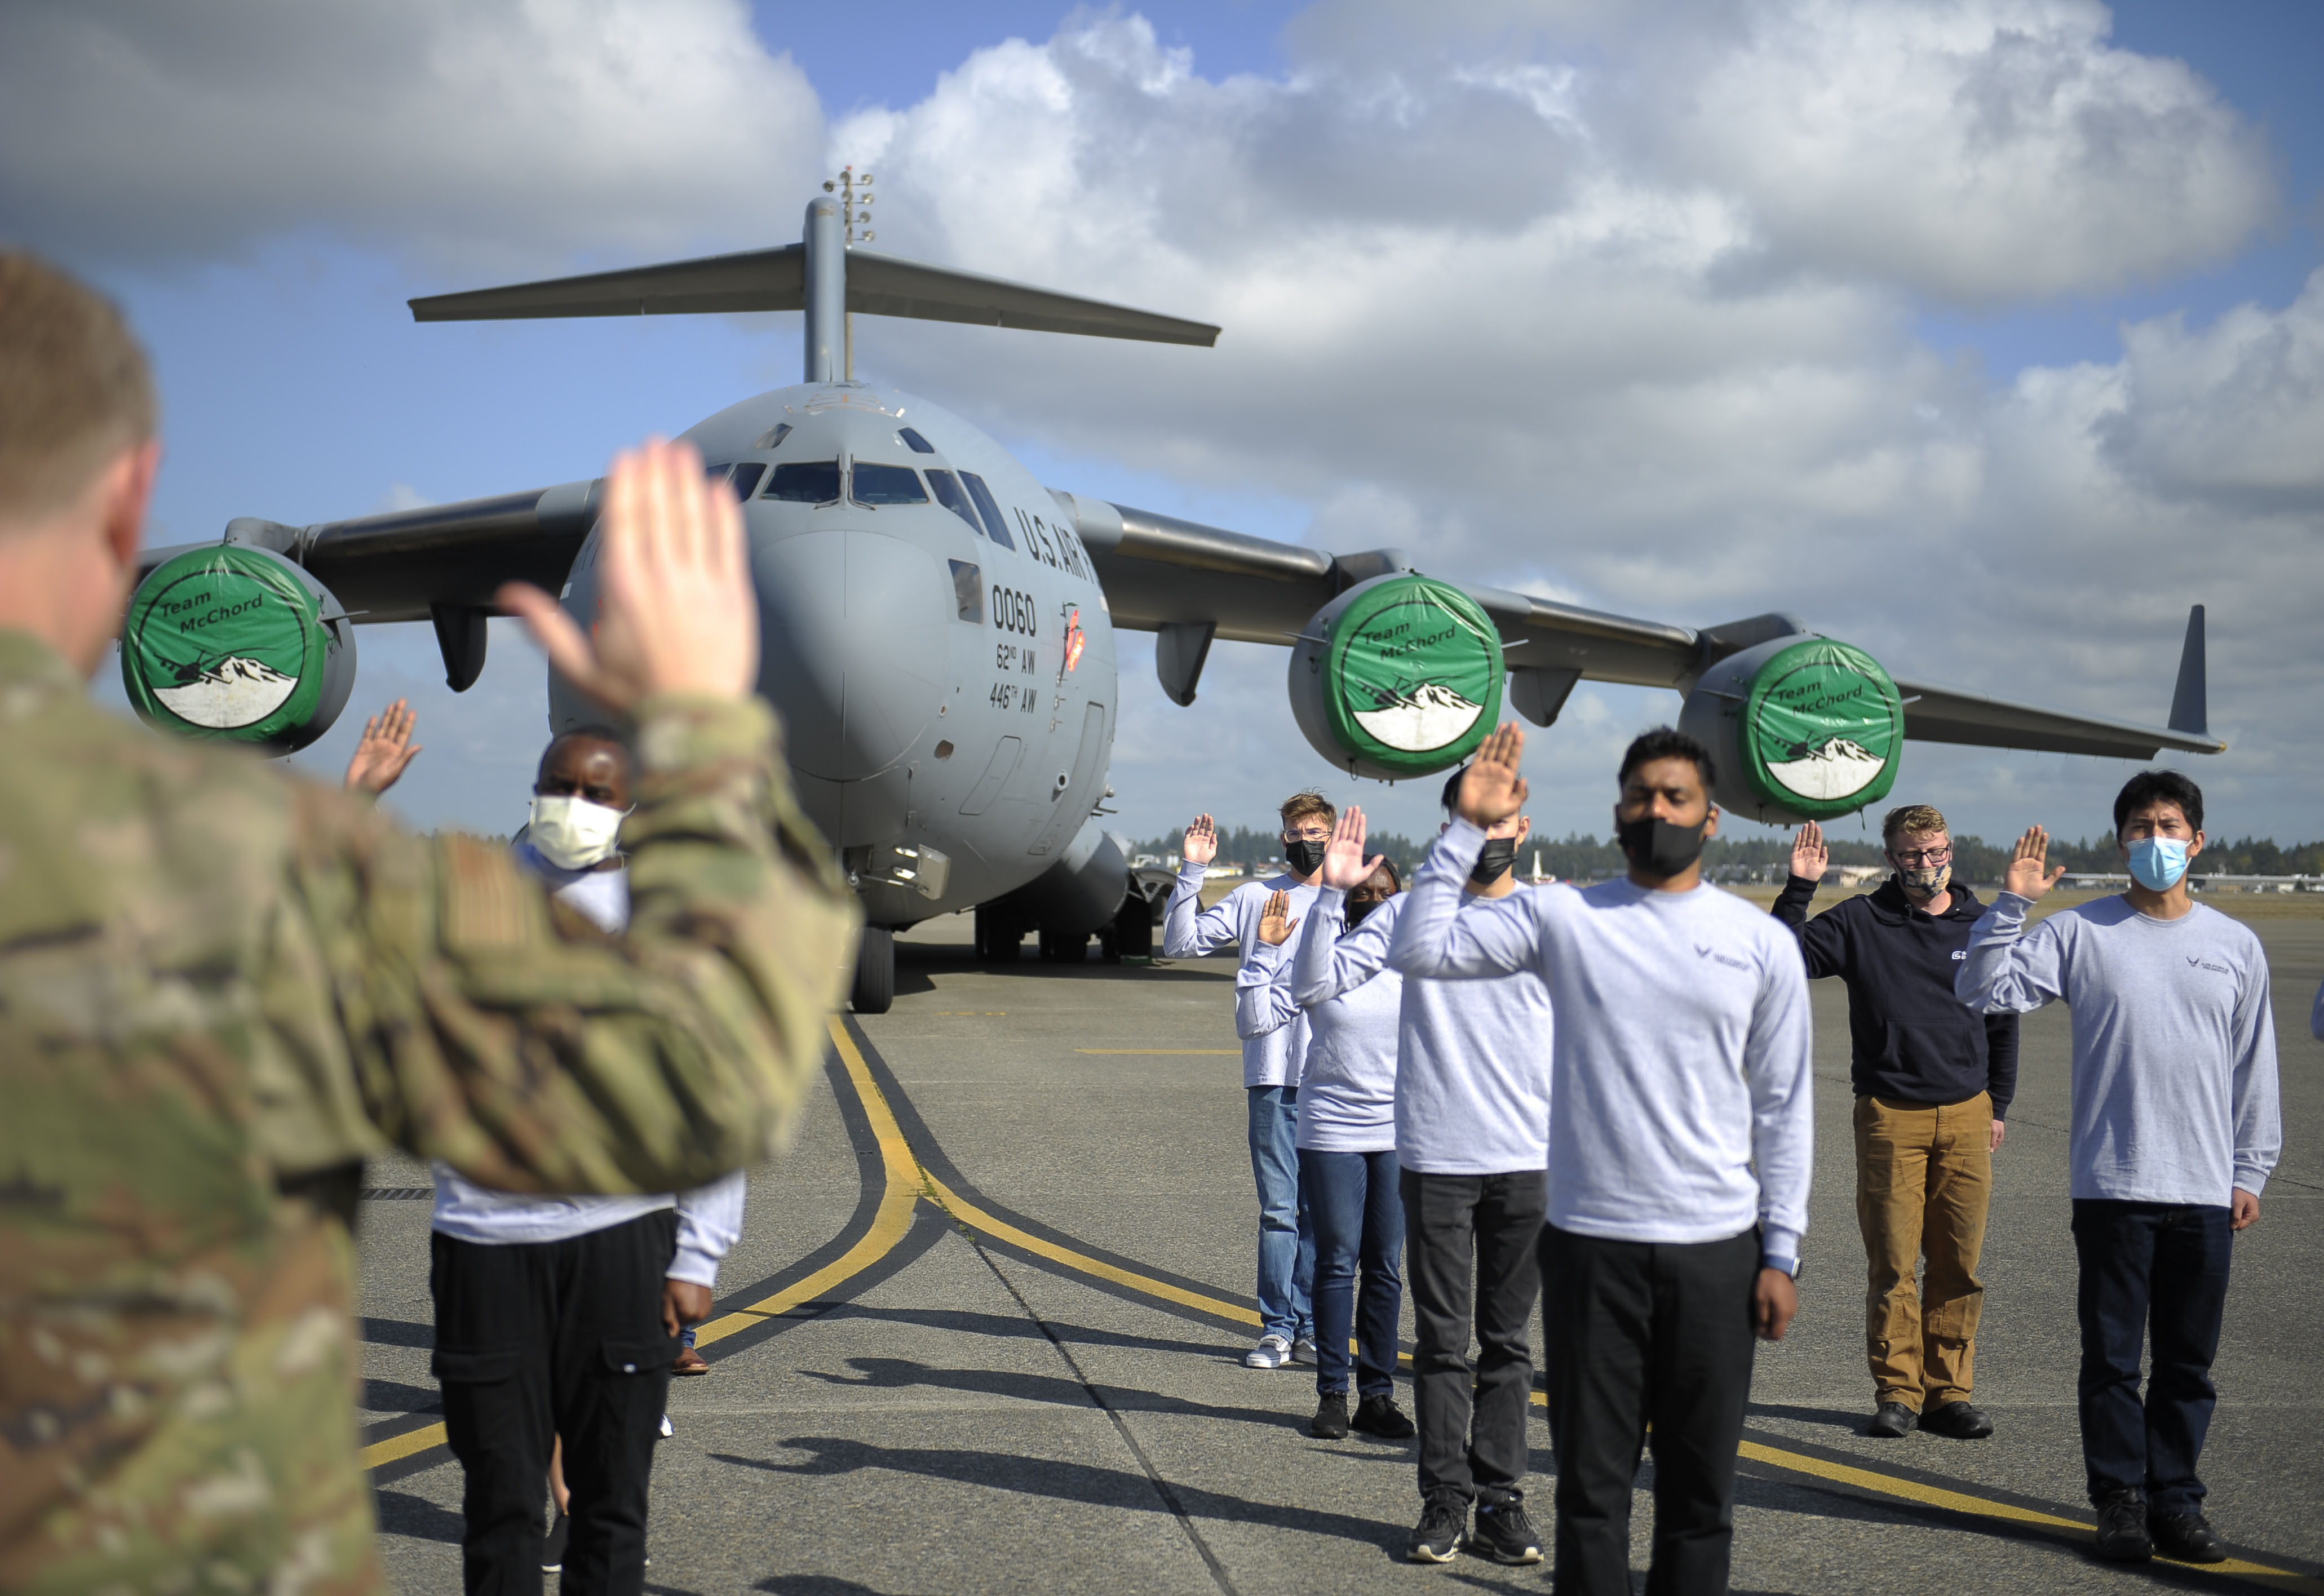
x=1941 y=715
x=776 y=280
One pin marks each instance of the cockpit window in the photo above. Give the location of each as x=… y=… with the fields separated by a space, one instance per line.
x=773 y=437
x=888 y=485
x=805 y=482
x=745 y=480
x=990 y=506
x=915 y=442
x=953 y=497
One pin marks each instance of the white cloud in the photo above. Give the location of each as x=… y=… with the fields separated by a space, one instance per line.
x=505 y=134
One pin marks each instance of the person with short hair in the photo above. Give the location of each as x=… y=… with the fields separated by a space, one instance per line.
x=224 y=987
x=1272 y=1063
x=1347 y=1116
x=2175 y=1127
x=1933 y=1083
x=1680 y=1143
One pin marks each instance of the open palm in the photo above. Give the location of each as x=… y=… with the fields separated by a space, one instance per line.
x=1344 y=865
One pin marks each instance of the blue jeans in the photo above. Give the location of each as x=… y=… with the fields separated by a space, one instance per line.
x=1286 y=1238
x=2150 y=1273
x=1359 y=1216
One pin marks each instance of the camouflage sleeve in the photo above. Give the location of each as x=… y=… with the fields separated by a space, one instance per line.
x=497 y=1030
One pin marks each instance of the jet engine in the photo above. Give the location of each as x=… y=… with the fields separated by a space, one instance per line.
x=1398 y=677
x=1801 y=728
x=237 y=642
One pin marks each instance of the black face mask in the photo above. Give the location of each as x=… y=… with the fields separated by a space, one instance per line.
x=1658 y=847
x=1493 y=861
x=1358 y=908
x=1302 y=855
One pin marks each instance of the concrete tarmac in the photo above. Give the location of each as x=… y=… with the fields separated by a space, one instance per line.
x=985 y=1330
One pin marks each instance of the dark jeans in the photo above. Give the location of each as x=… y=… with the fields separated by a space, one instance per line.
x=1642 y=1333
x=1359 y=1216
x=549 y=1339
x=1451 y=1222
x=2149 y=1269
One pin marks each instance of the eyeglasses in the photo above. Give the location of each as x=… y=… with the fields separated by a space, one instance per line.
x=1923 y=855
x=1309 y=834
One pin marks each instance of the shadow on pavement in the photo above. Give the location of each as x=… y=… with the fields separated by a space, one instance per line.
x=1836 y=1418
x=900 y=1373
x=402 y=1513
x=1022 y=1329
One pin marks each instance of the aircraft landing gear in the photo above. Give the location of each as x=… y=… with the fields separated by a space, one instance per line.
x=999 y=935
x=875 y=972
x=1064 y=947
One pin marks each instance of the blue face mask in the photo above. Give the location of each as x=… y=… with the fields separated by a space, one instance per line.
x=2158 y=861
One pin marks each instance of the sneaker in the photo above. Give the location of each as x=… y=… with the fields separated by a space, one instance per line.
x=1379 y=1416
x=1330 y=1420
x=1303 y=1349
x=668 y=1429
x=552 y=1548
x=2185 y=1537
x=2122 y=1535
x=1437 y=1537
x=1271 y=1353
x=1504 y=1534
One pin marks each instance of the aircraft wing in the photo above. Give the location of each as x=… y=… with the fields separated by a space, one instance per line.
x=1190 y=584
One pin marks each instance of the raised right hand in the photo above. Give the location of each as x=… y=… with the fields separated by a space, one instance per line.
x=1202 y=845
x=1275 y=924
x=2026 y=876
x=1492 y=791
x=677 y=613
x=1344 y=865
x=1810 y=857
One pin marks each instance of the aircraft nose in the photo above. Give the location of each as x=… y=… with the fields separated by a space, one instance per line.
x=854 y=646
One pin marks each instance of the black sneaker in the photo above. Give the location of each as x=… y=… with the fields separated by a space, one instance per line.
x=1379 y=1416
x=1330 y=1420
x=1504 y=1534
x=552 y=1549
x=2185 y=1537
x=1958 y=1421
x=2122 y=1535
x=1437 y=1537
x=1892 y=1420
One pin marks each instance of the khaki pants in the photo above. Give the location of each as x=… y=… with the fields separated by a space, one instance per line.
x=1923 y=1177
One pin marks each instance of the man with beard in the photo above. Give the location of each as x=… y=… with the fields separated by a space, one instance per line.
x=1932 y=1085
x=1680 y=1140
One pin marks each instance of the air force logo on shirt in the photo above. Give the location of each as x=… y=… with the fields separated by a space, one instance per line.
x=1959 y=954
x=2195 y=961
x=1732 y=963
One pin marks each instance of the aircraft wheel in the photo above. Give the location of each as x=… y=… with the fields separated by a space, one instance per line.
x=875 y=972
x=998 y=937
x=1132 y=931
x=1060 y=947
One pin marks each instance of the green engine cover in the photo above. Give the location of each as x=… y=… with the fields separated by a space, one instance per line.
x=1803 y=728
x=1398 y=677
x=239 y=643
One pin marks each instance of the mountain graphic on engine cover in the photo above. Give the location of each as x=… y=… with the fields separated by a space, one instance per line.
x=1840 y=768
x=235 y=692
x=1427 y=717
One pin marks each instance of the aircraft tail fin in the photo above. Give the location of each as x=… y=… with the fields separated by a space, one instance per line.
x=2189 y=700
x=776 y=280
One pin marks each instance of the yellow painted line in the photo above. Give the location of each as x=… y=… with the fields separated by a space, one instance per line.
x=899 y=1191
x=976 y=1218
x=403 y=1446
x=1167 y=1052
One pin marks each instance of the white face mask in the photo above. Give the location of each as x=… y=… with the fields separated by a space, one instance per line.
x=574 y=833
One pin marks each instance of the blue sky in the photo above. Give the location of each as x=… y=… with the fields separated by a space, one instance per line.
x=1647 y=366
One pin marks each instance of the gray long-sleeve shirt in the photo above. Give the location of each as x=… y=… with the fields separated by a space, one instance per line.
x=1336 y=978
x=1274 y=1058
x=2174 y=1082
x=1680 y=1098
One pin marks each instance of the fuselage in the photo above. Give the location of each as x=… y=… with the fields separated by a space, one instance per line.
x=932 y=633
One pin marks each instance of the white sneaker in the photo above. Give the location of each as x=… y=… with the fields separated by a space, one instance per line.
x=1271 y=1353
x=668 y=1429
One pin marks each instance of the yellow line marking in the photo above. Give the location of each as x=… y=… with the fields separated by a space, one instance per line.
x=403 y=1446
x=899 y=1191
x=976 y=1218
x=1167 y=1052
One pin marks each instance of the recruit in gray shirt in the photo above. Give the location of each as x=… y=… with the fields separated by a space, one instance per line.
x=2174 y=1092
x=1347 y=1088
x=1680 y=1098
x=1272 y=1058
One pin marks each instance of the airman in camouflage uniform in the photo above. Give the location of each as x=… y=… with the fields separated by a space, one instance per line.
x=220 y=990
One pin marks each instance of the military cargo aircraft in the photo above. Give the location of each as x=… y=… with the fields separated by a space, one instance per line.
x=938 y=627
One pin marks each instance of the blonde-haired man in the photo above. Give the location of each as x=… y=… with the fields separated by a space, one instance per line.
x=1272 y=1063
x=1932 y=1083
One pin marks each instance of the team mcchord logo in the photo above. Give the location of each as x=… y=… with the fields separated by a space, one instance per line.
x=1822 y=725
x=1410 y=677
x=232 y=641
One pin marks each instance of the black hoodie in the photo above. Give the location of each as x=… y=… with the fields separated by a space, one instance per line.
x=1909 y=1037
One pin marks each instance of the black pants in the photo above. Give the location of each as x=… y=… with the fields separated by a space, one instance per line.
x=2149 y=1269
x=546 y=1339
x=1451 y=1221
x=1640 y=1332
